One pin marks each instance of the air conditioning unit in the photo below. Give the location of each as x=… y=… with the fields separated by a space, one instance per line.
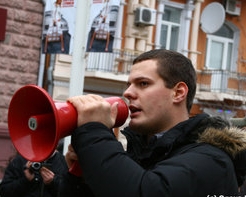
x=145 y=16
x=233 y=7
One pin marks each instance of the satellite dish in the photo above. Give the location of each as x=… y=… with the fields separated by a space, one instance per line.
x=212 y=17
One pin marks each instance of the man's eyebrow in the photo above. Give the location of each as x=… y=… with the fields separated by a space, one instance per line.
x=128 y=83
x=137 y=79
x=141 y=78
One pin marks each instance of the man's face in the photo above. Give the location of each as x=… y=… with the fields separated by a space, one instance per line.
x=150 y=102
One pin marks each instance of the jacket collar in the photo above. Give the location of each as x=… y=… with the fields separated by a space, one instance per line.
x=198 y=129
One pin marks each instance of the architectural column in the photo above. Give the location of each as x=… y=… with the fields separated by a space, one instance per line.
x=118 y=32
x=129 y=40
x=150 y=43
x=194 y=32
x=189 y=10
x=160 y=11
x=76 y=84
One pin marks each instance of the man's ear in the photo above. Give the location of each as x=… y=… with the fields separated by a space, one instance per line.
x=180 y=92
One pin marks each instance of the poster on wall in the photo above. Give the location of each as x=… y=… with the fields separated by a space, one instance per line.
x=58 y=26
x=102 y=25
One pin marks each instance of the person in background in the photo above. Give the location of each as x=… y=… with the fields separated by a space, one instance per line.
x=55 y=23
x=24 y=178
x=169 y=153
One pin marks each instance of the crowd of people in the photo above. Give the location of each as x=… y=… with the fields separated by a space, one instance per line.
x=168 y=152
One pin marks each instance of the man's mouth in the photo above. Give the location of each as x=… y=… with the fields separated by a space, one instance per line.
x=134 y=109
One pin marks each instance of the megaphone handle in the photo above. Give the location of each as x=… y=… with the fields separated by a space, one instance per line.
x=75 y=169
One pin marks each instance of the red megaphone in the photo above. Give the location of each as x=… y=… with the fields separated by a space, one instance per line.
x=36 y=123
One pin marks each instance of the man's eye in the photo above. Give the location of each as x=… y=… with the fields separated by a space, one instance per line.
x=144 y=83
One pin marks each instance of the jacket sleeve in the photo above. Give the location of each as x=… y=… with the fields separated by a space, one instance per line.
x=106 y=167
x=14 y=183
x=109 y=171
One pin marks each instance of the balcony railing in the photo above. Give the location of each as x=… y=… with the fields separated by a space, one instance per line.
x=119 y=61
x=222 y=81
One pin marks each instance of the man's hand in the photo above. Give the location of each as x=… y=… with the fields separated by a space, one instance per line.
x=70 y=156
x=47 y=175
x=94 y=108
x=29 y=175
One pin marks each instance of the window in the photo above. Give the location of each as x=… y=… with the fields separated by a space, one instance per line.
x=173 y=26
x=221 y=54
x=220 y=49
x=170 y=28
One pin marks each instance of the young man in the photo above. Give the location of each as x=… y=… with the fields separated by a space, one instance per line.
x=168 y=153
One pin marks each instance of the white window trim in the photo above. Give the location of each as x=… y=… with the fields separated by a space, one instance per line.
x=225 y=42
x=185 y=21
x=169 y=30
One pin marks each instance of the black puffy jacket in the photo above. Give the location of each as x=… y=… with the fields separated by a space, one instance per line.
x=199 y=157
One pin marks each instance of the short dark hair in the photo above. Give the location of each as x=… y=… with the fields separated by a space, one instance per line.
x=173 y=67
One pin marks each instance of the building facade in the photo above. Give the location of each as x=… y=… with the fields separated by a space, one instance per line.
x=21 y=25
x=211 y=33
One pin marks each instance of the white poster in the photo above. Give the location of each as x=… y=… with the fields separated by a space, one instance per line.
x=102 y=26
x=59 y=26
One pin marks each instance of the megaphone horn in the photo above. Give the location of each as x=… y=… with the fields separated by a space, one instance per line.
x=36 y=122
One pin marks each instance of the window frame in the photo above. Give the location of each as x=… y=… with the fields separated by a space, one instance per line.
x=225 y=42
x=235 y=45
x=184 y=28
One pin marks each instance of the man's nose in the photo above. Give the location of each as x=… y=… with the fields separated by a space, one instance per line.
x=128 y=93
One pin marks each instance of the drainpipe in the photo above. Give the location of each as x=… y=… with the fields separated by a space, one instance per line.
x=42 y=59
x=41 y=70
x=50 y=74
x=194 y=33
